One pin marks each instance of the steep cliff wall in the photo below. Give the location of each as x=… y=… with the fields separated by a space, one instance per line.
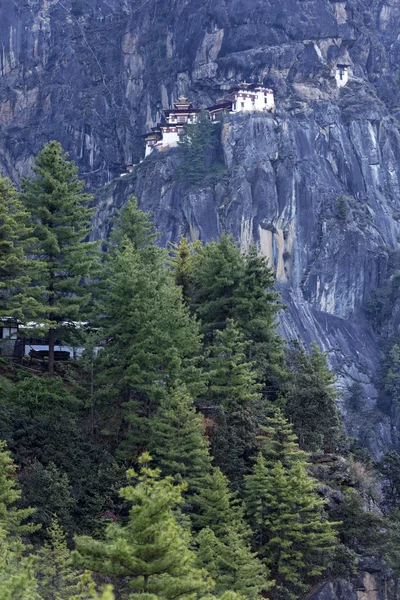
x=94 y=74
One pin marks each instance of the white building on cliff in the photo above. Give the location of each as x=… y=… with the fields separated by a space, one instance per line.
x=246 y=98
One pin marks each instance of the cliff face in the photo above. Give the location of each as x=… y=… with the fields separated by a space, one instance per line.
x=95 y=74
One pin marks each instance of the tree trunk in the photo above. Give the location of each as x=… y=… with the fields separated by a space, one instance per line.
x=51 y=352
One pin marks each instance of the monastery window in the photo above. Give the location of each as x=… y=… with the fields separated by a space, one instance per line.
x=242 y=104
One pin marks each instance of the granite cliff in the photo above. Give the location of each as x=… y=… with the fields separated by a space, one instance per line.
x=95 y=74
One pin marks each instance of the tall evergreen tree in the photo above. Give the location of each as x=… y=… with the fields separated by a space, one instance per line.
x=310 y=403
x=233 y=395
x=182 y=257
x=57 y=577
x=217 y=507
x=152 y=339
x=17 y=576
x=17 y=300
x=11 y=517
x=151 y=552
x=178 y=443
x=219 y=268
x=277 y=440
x=291 y=533
x=256 y=308
x=195 y=144
x=229 y=284
x=17 y=579
x=224 y=539
x=61 y=220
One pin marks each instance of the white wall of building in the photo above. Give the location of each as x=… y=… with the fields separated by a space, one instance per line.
x=342 y=76
x=253 y=100
x=169 y=138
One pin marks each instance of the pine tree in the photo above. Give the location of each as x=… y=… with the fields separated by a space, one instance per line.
x=224 y=539
x=219 y=268
x=11 y=517
x=182 y=257
x=217 y=507
x=310 y=403
x=290 y=531
x=152 y=339
x=231 y=563
x=57 y=577
x=17 y=580
x=195 y=144
x=17 y=576
x=61 y=221
x=178 y=443
x=233 y=395
x=151 y=552
x=277 y=440
x=17 y=300
x=256 y=309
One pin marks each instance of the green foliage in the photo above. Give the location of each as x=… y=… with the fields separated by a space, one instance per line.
x=278 y=442
x=389 y=466
x=233 y=394
x=227 y=284
x=342 y=208
x=224 y=539
x=232 y=564
x=182 y=257
x=359 y=529
x=17 y=576
x=151 y=552
x=310 y=403
x=11 y=517
x=177 y=441
x=286 y=515
x=56 y=576
x=195 y=144
x=43 y=423
x=17 y=299
x=17 y=580
x=389 y=384
x=152 y=339
x=61 y=222
x=356 y=398
x=58 y=497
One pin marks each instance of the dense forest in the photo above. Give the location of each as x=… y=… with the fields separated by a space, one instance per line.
x=190 y=452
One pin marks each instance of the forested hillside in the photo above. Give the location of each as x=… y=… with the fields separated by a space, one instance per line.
x=190 y=452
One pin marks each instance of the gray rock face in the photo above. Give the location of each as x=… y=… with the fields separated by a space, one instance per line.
x=95 y=74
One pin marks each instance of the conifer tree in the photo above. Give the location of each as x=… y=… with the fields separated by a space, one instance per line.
x=11 y=517
x=178 y=443
x=233 y=395
x=217 y=507
x=17 y=576
x=310 y=403
x=61 y=220
x=291 y=533
x=182 y=258
x=195 y=144
x=151 y=552
x=224 y=539
x=57 y=577
x=229 y=284
x=152 y=339
x=17 y=299
x=256 y=307
x=219 y=268
x=232 y=564
x=277 y=440
x=17 y=579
